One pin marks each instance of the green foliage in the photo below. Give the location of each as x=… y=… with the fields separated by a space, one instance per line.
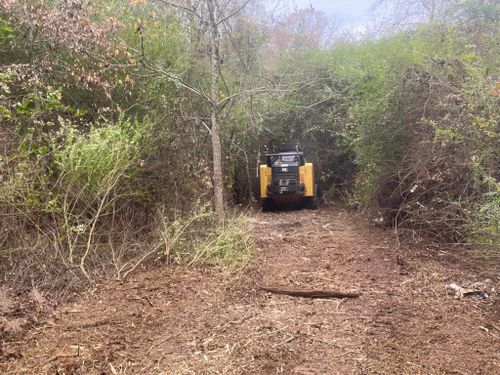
x=480 y=11
x=5 y=111
x=39 y=103
x=6 y=31
x=226 y=244
x=425 y=123
x=486 y=223
x=97 y=160
x=376 y=72
x=199 y=238
x=485 y=217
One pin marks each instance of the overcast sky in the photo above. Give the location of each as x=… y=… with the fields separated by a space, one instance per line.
x=350 y=13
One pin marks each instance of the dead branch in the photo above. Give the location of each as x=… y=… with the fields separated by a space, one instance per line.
x=308 y=293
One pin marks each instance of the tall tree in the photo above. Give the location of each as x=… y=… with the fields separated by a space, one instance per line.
x=210 y=15
x=214 y=22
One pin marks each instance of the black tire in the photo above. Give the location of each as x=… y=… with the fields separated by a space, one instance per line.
x=267 y=205
x=312 y=203
x=319 y=193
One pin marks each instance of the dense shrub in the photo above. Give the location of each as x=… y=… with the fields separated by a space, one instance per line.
x=425 y=134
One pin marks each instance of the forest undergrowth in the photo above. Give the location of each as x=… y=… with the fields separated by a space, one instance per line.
x=111 y=118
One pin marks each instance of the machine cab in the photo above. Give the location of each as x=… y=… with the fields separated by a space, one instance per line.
x=286 y=178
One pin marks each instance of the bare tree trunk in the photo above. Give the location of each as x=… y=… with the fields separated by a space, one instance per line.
x=214 y=89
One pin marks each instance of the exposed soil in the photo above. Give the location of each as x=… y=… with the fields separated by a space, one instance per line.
x=210 y=320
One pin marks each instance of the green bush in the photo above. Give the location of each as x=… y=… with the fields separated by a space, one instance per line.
x=96 y=161
x=485 y=218
x=425 y=126
x=200 y=238
x=226 y=244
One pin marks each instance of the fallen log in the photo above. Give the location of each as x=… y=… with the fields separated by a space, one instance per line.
x=308 y=293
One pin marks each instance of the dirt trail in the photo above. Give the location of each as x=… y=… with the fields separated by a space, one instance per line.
x=177 y=320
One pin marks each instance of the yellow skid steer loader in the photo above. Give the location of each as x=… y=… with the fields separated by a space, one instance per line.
x=287 y=180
